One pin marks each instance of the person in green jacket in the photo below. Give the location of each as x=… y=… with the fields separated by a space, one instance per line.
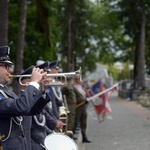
x=69 y=95
x=81 y=113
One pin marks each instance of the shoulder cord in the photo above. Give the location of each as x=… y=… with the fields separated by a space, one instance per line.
x=58 y=96
x=40 y=123
x=19 y=119
x=49 y=105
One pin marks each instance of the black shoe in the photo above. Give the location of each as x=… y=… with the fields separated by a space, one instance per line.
x=85 y=139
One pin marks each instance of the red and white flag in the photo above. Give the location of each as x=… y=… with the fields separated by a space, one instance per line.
x=100 y=100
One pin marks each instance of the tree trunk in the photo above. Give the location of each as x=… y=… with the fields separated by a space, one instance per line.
x=140 y=66
x=20 y=42
x=3 y=22
x=69 y=37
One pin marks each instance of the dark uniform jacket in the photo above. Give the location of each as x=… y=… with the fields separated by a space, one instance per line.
x=27 y=120
x=38 y=132
x=55 y=102
x=11 y=106
x=42 y=125
x=51 y=121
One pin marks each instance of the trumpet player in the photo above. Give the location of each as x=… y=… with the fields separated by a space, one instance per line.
x=36 y=109
x=56 y=90
x=43 y=123
x=13 y=108
x=54 y=94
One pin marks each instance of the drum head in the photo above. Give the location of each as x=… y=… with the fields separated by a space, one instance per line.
x=58 y=141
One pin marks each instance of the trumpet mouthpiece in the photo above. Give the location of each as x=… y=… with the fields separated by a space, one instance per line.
x=10 y=76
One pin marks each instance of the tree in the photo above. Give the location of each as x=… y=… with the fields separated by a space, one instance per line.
x=134 y=14
x=3 y=22
x=20 y=42
x=139 y=71
x=75 y=45
x=69 y=9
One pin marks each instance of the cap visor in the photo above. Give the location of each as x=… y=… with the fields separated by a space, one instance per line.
x=7 y=61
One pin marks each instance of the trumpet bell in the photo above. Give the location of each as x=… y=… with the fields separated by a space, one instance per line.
x=63 y=117
x=62 y=111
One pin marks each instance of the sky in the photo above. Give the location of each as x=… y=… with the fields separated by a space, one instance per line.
x=92 y=0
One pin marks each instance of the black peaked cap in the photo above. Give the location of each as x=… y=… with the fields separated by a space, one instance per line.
x=4 y=54
x=44 y=66
x=28 y=71
x=54 y=64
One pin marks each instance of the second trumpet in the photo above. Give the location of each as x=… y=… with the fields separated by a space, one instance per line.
x=60 y=78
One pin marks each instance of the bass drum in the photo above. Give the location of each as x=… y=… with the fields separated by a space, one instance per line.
x=59 y=141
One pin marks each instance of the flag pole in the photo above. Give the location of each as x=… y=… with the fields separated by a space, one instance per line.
x=101 y=93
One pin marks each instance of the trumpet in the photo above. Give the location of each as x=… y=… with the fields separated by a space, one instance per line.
x=62 y=78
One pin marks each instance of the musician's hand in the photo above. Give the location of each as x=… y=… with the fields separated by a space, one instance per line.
x=45 y=82
x=37 y=75
x=59 y=124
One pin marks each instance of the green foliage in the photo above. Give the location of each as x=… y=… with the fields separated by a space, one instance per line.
x=130 y=13
x=81 y=52
x=13 y=21
x=102 y=31
x=107 y=32
x=125 y=73
x=36 y=40
x=113 y=71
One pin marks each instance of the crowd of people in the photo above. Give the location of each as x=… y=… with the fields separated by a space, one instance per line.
x=28 y=118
